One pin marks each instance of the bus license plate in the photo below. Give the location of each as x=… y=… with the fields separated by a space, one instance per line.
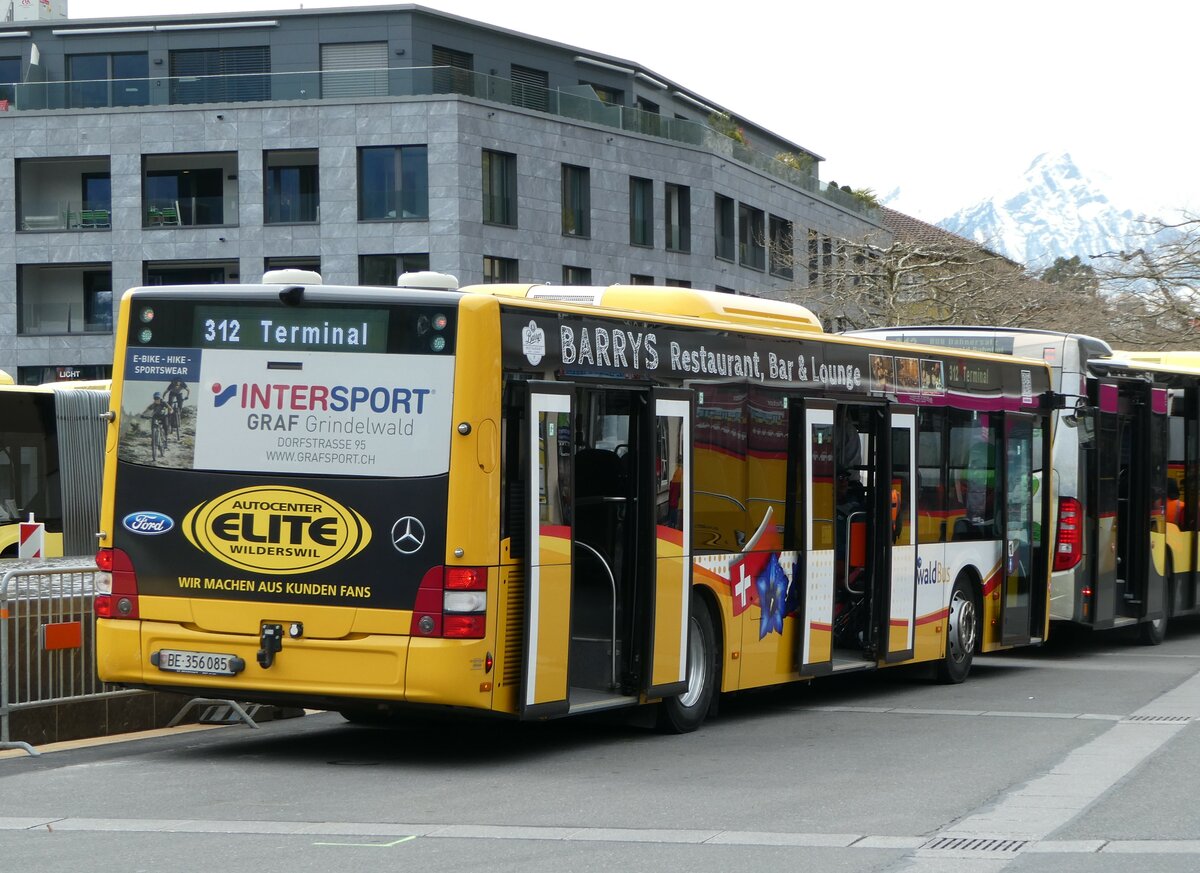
x=206 y=663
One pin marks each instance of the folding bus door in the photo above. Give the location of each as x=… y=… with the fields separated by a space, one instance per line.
x=1019 y=533
x=814 y=639
x=670 y=526
x=900 y=631
x=549 y=450
x=1154 y=591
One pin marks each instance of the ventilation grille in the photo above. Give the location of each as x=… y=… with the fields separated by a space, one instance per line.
x=990 y=845
x=514 y=629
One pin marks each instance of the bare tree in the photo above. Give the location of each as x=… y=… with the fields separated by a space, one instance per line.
x=916 y=273
x=1155 y=288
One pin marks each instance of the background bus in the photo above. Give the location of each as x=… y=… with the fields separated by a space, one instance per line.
x=535 y=501
x=1129 y=451
x=51 y=459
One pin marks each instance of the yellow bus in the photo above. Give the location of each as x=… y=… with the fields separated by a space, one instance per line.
x=534 y=501
x=51 y=458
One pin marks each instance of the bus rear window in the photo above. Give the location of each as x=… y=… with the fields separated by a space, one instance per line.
x=306 y=390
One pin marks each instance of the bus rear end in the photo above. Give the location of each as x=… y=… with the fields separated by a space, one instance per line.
x=276 y=516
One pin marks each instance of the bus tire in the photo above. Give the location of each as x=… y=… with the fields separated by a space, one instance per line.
x=686 y=712
x=962 y=633
x=1152 y=633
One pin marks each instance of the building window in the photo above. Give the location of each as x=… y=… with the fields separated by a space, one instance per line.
x=723 y=289
x=499 y=188
x=726 y=228
x=220 y=75
x=679 y=218
x=10 y=75
x=393 y=183
x=499 y=269
x=814 y=258
x=189 y=272
x=120 y=79
x=677 y=283
x=452 y=71
x=751 y=238
x=181 y=189
x=290 y=187
x=641 y=212
x=387 y=269
x=576 y=275
x=576 y=201
x=289 y=262
x=354 y=69
x=639 y=279
x=530 y=87
x=781 y=256
x=611 y=96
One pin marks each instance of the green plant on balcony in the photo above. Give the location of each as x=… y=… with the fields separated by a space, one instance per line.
x=726 y=126
x=865 y=196
x=798 y=161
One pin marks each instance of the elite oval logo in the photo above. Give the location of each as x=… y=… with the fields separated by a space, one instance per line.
x=275 y=529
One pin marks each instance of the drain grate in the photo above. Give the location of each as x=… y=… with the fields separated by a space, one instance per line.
x=1156 y=719
x=995 y=845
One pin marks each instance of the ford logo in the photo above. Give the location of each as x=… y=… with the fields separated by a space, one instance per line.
x=148 y=523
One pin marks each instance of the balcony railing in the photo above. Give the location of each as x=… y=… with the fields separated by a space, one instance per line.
x=408 y=82
x=66 y=215
x=39 y=319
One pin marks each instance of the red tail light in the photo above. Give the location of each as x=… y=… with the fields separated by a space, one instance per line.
x=116 y=586
x=1068 y=544
x=451 y=603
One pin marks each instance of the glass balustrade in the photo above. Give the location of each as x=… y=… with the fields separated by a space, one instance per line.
x=402 y=82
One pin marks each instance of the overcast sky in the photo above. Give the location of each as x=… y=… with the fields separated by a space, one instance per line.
x=947 y=100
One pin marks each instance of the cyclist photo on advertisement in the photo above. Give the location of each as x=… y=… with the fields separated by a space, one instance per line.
x=176 y=393
x=159 y=414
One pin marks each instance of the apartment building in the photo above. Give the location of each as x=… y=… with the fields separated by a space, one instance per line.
x=364 y=142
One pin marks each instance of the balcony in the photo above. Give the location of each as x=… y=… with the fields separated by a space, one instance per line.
x=63 y=194
x=579 y=104
x=64 y=299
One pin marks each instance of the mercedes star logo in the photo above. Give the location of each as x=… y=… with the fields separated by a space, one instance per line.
x=408 y=535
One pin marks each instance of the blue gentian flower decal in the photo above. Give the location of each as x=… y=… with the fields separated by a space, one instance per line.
x=772 y=597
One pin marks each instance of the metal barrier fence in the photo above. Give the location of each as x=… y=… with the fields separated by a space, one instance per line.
x=47 y=642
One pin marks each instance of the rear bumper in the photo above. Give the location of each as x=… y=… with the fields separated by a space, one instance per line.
x=307 y=672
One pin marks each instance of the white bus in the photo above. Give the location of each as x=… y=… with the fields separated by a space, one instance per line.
x=1126 y=467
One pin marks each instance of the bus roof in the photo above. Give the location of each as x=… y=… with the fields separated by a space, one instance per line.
x=1156 y=363
x=653 y=300
x=1090 y=347
x=1173 y=360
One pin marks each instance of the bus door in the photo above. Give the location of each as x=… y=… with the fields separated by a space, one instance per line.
x=666 y=537
x=1019 y=529
x=1108 y=477
x=814 y=610
x=548 y=489
x=1184 y=461
x=900 y=633
x=1131 y=474
x=1156 y=424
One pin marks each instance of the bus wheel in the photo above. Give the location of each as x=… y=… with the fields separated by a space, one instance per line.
x=687 y=711
x=962 y=631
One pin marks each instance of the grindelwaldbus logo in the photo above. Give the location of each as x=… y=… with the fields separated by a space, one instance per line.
x=275 y=529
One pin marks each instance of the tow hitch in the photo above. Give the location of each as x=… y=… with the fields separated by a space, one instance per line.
x=270 y=641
